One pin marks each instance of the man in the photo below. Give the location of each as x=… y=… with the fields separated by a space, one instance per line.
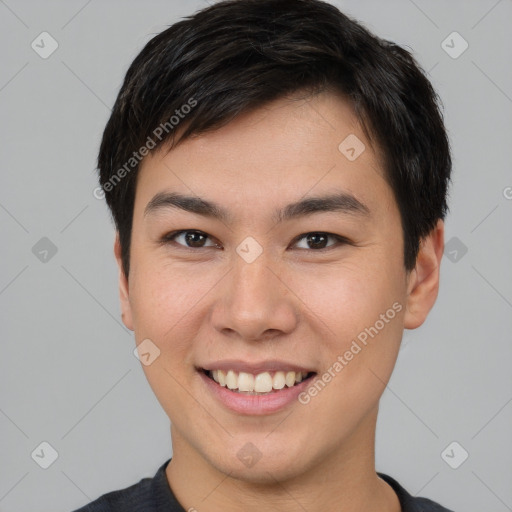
x=278 y=179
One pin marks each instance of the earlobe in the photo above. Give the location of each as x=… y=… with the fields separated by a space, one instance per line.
x=126 y=311
x=423 y=283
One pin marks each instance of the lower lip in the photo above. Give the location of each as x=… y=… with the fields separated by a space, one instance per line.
x=255 y=404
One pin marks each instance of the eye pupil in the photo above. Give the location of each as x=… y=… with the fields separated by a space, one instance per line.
x=191 y=238
x=317 y=239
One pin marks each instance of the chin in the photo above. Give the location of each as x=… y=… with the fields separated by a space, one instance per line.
x=265 y=467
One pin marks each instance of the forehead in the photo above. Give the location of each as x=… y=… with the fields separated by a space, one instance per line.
x=289 y=149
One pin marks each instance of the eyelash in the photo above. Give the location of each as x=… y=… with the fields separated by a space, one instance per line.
x=170 y=238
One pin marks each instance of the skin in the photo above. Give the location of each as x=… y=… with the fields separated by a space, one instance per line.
x=294 y=302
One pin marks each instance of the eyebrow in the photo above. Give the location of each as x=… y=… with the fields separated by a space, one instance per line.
x=342 y=202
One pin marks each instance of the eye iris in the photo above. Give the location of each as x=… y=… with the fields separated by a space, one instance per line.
x=192 y=238
x=317 y=239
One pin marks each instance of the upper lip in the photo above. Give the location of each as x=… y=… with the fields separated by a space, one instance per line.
x=268 y=365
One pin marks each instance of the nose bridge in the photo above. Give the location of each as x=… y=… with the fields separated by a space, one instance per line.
x=254 y=300
x=254 y=282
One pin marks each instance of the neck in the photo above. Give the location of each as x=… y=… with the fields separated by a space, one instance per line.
x=344 y=481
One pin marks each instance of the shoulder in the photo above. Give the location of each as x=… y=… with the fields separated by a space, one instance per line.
x=411 y=503
x=144 y=496
x=134 y=499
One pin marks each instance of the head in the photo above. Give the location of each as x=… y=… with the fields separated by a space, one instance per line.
x=308 y=160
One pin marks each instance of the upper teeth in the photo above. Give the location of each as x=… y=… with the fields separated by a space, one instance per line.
x=260 y=383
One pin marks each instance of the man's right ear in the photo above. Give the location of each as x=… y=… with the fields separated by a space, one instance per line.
x=126 y=309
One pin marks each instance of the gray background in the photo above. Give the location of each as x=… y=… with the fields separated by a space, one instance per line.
x=68 y=375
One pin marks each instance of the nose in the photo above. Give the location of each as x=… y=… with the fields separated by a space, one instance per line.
x=254 y=303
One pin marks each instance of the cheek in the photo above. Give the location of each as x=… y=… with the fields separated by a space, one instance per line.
x=165 y=304
x=162 y=296
x=372 y=318
x=170 y=305
x=359 y=309
x=349 y=297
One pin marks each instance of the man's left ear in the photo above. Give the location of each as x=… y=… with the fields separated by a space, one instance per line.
x=423 y=280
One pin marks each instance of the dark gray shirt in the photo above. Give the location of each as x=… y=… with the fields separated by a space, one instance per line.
x=155 y=495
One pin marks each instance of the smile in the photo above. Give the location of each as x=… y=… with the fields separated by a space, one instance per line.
x=261 y=383
x=256 y=393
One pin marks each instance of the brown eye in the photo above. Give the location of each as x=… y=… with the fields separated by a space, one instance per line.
x=318 y=240
x=189 y=238
x=194 y=239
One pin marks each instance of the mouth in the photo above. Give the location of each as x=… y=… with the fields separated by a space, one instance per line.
x=263 y=383
x=255 y=387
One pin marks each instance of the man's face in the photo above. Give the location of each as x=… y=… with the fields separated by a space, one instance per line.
x=262 y=294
